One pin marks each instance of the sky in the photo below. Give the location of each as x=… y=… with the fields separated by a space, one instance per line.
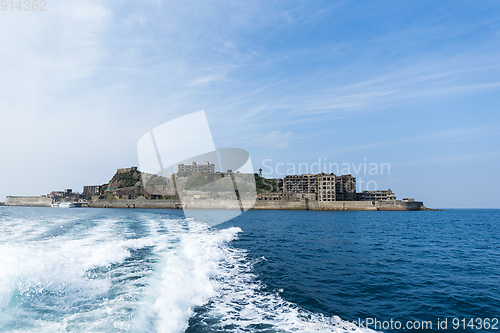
x=410 y=88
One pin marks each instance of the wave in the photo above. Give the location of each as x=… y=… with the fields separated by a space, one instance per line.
x=244 y=305
x=94 y=274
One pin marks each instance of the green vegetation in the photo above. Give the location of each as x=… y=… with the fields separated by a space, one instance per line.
x=209 y=182
x=128 y=179
x=184 y=174
x=157 y=180
x=262 y=184
x=204 y=178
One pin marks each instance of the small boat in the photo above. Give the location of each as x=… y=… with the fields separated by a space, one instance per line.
x=63 y=205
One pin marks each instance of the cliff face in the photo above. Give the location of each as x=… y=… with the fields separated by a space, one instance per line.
x=123 y=179
x=131 y=183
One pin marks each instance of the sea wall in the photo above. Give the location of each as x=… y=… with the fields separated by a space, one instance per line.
x=305 y=204
x=212 y=204
x=371 y=205
x=302 y=204
x=40 y=201
x=135 y=203
x=164 y=204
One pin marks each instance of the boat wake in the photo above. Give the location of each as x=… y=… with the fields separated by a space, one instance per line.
x=143 y=273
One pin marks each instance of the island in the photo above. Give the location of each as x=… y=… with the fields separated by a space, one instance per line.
x=199 y=186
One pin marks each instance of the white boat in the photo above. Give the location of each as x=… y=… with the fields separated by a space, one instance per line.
x=63 y=204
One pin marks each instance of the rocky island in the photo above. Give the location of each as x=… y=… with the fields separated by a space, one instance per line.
x=199 y=186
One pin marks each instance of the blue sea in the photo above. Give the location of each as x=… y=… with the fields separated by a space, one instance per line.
x=112 y=270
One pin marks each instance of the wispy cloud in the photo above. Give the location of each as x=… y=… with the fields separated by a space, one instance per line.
x=205 y=80
x=440 y=160
x=403 y=86
x=274 y=140
x=451 y=135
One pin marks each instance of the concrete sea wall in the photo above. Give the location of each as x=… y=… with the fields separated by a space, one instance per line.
x=164 y=204
x=302 y=204
x=132 y=203
x=27 y=201
x=305 y=204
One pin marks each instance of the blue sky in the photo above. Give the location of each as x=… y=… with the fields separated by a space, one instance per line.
x=415 y=84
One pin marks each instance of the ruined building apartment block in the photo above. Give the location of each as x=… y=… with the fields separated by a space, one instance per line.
x=90 y=190
x=336 y=188
x=207 y=167
x=345 y=187
x=300 y=184
x=379 y=195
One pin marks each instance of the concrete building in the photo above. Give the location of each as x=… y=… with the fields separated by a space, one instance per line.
x=124 y=170
x=89 y=191
x=327 y=187
x=345 y=188
x=300 y=184
x=379 y=195
x=207 y=167
x=62 y=194
x=285 y=196
x=56 y=194
x=336 y=188
x=277 y=184
x=227 y=174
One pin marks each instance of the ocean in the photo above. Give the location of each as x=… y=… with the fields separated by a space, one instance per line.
x=131 y=270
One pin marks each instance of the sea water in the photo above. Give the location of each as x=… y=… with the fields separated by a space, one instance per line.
x=112 y=270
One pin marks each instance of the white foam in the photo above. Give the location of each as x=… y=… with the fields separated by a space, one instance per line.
x=187 y=275
x=242 y=305
x=83 y=280
x=53 y=274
